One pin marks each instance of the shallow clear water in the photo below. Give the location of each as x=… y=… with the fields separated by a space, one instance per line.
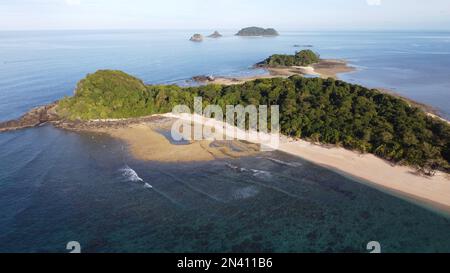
x=58 y=186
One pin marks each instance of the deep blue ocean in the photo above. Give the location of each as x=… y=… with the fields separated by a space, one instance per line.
x=58 y=186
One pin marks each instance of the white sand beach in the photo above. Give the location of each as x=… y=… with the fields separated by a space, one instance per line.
x=402 y=180
x=329 y=68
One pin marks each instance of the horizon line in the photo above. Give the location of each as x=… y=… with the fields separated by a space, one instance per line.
x=234 y=29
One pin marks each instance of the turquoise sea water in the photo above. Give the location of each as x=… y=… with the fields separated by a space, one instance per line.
x=57 y=186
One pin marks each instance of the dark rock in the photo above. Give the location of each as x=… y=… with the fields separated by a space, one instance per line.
x=216 y=34
x=196 y=38
x=34 y=117
x=203 y=78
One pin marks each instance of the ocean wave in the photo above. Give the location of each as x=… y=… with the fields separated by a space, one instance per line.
x=264 y=175
x=257 y=173
x=281 y=162
x=260 y=173
x=231 y=166
x=236 y=168
x=130 y=175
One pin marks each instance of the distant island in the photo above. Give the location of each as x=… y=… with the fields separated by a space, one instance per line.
x=196 y=38
x=257 y=31
x=303 y=46
x=308 y=63
x=216 y=34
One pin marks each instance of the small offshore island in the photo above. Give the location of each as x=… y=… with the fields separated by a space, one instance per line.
x=257 y=31
x=304 y=63
x=363 y=132
x=215 y=35
x=196 y=38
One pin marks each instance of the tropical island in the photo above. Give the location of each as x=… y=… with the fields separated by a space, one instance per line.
x=301 y=58
x=324 y=111
x=304 y=63
x=403 y=141
x=257 y=31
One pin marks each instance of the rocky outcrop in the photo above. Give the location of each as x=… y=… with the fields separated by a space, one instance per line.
x=257 y=31
x=203 y=78
x=34 y=117
x=216 y=34
x=92 y=125
x=196 y=38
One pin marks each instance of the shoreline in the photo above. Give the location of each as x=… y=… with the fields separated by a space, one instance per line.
x=401 y=181
x=146 y=142
x=431 y=191
x=148 y=139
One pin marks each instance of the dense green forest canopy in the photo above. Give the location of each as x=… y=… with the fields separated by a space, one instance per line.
x=301 y=58
x=326 y=111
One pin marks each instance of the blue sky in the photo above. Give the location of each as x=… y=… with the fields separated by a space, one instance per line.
x=225 y=14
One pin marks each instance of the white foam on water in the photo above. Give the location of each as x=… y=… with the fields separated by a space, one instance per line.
x=236 y=168
x=233 y=167
x=130 y=174
x=290 y=164
x=148 y=186
x=260 y=173
x=257 y=173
